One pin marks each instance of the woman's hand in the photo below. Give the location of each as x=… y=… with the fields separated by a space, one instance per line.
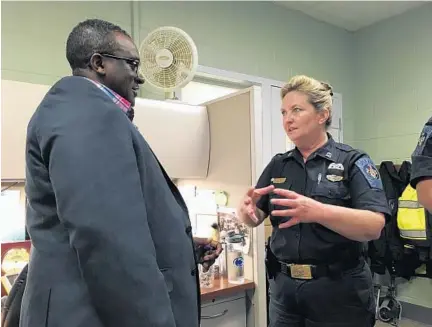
x=300 y=208
x=248 y=207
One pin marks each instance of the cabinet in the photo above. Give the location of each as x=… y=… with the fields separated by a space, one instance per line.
x=225 y=313
x=18 y=102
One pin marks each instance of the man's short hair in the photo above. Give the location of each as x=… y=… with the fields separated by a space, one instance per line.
x=89 y=37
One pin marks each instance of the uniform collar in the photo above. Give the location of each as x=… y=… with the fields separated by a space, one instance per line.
x=327 y=151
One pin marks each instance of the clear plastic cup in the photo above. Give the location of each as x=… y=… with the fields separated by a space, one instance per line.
x=206 y=278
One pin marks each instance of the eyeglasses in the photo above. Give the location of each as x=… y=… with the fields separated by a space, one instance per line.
x=134 y=63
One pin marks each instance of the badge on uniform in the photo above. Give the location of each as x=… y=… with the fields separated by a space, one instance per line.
x=424 y=136
x=278 y=180
x=370 y=172
x=335 y=172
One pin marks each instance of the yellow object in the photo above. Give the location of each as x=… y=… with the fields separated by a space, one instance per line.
x=214 y=238
x=411 y=216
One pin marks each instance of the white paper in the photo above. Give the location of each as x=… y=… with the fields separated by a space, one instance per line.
x=205 y=202
x=203 y=225
x=12 y=217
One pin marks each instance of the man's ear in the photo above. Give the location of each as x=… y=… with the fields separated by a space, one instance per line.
x=97 y=64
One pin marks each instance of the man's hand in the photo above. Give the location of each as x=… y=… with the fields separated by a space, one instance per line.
x=301 y=209
x=207 y=251
x=248 y=207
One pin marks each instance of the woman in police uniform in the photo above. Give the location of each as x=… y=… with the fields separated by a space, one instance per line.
x=324 y=199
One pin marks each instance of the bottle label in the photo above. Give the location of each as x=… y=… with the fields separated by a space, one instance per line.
x=238 y=262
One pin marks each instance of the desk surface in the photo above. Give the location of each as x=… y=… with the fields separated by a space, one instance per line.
x=222 y=288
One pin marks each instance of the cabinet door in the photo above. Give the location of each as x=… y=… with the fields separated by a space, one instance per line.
x=225 y=314
x=18 y=103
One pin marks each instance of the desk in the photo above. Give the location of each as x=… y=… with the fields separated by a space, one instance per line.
x=221 y=288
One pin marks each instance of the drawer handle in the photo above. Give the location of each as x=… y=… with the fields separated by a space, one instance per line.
x=223 y=313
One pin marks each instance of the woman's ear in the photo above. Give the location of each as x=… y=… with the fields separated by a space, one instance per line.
x=324 y=116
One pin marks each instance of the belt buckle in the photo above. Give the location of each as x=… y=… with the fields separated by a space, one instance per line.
x=301 y=271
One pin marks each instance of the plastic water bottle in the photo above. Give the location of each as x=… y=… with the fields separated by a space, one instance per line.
x=235 y=259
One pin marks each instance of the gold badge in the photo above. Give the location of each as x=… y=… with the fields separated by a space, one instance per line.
x=278 y=180
x=334 y=178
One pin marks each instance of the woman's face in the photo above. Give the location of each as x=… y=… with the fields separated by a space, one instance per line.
x=301 y=120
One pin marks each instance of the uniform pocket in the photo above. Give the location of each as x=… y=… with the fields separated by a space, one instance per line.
x=334 y=193
x=284 y=186
x=275 y=221
x=331 y=193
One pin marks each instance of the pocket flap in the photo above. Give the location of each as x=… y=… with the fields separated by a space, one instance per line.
x=285 y=185
x=330 y=191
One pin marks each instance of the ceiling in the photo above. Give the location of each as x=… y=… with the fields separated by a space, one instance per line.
x=351 y=15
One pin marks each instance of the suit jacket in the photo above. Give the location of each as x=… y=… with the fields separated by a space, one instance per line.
x=111 y=237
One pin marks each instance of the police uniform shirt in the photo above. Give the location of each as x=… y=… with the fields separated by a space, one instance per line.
x=334 y=174
x=422 y=156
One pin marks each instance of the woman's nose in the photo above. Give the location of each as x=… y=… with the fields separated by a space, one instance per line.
x=289 y=118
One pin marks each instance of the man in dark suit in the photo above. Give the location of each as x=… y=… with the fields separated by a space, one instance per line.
x=111 y=237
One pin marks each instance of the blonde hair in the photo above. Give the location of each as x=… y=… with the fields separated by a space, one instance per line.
x=319 y=93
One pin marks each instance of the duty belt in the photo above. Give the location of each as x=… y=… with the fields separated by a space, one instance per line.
x=307 y=272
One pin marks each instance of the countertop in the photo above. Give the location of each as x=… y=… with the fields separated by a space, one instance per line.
x=221 y=288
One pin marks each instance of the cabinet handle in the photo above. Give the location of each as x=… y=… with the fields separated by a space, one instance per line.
x=223 y=313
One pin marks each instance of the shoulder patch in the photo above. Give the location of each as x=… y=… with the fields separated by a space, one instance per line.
x=424 y=137
x=370 y=172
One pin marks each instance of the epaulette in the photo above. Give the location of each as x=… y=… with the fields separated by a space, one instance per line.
x=278 y=155
x=348 y=148
x=284 y=155
x=344 y=147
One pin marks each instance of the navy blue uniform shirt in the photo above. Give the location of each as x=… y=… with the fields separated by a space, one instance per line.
x=422 y=156
x=334 y=174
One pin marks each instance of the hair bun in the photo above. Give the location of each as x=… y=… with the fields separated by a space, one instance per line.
x=327 y=87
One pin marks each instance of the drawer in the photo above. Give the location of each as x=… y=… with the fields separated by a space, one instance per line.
x=225 y=314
